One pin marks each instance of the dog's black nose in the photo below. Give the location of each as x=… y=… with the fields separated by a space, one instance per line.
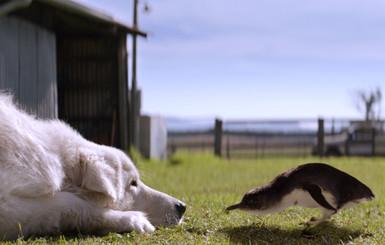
x=180 y=208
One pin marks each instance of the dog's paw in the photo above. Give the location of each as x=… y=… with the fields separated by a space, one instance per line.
x=139 y=223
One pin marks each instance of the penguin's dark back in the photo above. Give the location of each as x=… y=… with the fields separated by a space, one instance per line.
x=342 y=185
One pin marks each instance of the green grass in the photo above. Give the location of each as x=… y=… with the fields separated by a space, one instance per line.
x=208 y=185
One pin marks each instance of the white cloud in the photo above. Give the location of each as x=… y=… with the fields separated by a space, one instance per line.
x=281 y=58
x=318 y=29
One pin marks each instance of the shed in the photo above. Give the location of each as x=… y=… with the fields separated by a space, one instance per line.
x=64 y=60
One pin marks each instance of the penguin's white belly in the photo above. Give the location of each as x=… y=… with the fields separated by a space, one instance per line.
x=356 y=202
x=304 y=199
x=300 y=198
x=297 y=197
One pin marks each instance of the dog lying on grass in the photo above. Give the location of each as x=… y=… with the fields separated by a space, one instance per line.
x=53 y=180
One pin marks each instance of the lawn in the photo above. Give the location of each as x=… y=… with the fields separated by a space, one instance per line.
x=208 y=185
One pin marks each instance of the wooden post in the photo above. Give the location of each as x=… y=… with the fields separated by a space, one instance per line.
x=256 y=146
x=122 y=116
x=320 y=137
x=373 y=131
x=134 y=120
x=218 y=137
x=228 y=147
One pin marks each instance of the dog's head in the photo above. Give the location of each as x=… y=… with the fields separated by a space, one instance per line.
x=112 y=181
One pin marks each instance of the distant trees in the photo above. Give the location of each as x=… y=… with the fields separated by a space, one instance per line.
x=369 y=102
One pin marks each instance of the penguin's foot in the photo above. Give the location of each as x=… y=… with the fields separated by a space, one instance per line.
x=310 y=222
x=313 y=221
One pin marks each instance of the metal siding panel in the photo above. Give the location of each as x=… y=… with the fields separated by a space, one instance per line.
x=123 y=95
x=3 y=37
x=46 y=74
x=88 y=86
x=28 y=66
x=9 y=54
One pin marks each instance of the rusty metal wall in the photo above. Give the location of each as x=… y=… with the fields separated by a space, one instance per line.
x=74 y=78
x=88 y=86
x=9 y=54
x=46 y=75
x=28 y=65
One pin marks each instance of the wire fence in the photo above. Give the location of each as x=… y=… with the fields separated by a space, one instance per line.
x=250 y=138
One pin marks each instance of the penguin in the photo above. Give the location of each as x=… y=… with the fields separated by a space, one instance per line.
x=312 y=185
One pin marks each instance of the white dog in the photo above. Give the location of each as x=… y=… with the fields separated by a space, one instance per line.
x=53 y=180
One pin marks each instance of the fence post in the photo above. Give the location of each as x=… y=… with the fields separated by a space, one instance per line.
x=320 y=137
x=373 y=131
x=218 y=137
x=228 y=148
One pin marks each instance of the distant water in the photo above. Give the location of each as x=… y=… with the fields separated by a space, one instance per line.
x=270 y=126
x=183 y=125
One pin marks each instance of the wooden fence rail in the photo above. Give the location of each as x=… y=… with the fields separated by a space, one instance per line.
x=260 y=138
x=225 y=142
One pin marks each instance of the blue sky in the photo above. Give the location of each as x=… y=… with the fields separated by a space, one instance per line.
x=256 y=59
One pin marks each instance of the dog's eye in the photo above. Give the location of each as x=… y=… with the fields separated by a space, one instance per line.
x=134 y=183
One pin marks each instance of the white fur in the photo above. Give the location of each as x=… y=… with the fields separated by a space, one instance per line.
x=52 y=179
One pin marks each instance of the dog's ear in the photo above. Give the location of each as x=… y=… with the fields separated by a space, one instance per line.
x=97 y=175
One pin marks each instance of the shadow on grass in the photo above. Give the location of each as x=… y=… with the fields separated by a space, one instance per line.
x=326 y=233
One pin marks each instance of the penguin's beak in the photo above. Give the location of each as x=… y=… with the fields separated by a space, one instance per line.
x=232 y=207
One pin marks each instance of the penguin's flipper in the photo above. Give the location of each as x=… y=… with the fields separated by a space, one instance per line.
x=316 y=193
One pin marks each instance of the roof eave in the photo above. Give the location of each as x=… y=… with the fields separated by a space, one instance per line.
x=11 y=6
x=72 y=7
x=91 y=13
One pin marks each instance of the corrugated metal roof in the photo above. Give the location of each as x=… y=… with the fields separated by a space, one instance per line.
x=8 y=6
x=75 y=8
